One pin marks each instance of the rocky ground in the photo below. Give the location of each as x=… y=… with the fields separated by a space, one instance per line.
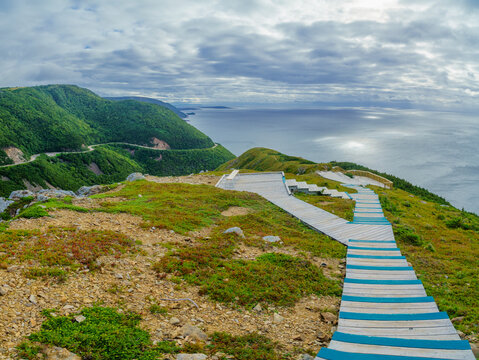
x=129 y=283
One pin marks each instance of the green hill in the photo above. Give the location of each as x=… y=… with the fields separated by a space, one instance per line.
x=65 y=117
x=177 y=111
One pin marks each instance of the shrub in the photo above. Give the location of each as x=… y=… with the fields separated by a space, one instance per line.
x=104 y=334
x=407 y=235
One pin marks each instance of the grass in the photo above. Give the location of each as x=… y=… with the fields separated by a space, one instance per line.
x=341 y=207
x=272 y=278
x=46 y=273
x=179 y=207
x=157 y=309
x=184 y=207
x=66 y=247
x=442 y=243
x=105 y=334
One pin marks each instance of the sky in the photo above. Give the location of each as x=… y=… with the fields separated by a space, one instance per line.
x=396 y=53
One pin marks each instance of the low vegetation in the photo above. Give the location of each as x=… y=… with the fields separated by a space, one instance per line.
x=108 y=334
x=66 y=248
x=442 y=243
x=104 y=334
x=341 y=207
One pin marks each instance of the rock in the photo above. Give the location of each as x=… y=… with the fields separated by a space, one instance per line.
x=193 y=333
x=54 y=194
x=89 y=190
x=191 y=357
x=13 y=268
x=235 y=230
x=328 y=317
x=272 y=239
x=19 y=194
x=33 y=299
x=4 y=204
x=305 y=357
x=297 y=337
x=57 y=353
x=135 y=177
x=80 y=318
x=258 y=308
x=3 y=291
x=68 y=307
x=322 y=336
x=175 y=321
x=277 y=318
x=458 y=319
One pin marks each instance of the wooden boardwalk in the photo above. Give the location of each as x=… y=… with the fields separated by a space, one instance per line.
x=385 y=313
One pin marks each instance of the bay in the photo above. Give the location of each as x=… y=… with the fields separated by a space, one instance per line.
x=435 y=150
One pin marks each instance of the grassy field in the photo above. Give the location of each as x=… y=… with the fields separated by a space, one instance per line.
x=341 y=207
x=442 y=243
x=275 y=278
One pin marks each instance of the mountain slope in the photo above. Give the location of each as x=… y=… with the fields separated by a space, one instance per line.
x=150 y=101
x=63 y=117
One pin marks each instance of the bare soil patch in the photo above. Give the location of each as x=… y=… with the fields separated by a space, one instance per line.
x=236 y=211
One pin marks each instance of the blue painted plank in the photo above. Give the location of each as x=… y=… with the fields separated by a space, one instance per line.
x=373 y=241
x=330 y=354
x=375 y=257
x=365 y=218
x=409 y=343
x=379 y=268
x=382 y=282
x=393 y=317
x=372 y=248
x=419 y=299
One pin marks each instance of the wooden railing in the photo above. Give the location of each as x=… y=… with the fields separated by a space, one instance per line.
x=387 y=183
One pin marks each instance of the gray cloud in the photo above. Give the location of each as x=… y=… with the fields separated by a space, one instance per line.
x=401 y=53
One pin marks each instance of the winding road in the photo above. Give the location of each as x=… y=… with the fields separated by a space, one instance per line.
x=90 y=149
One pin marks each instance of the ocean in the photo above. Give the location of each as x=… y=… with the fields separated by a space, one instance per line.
x=435 y=150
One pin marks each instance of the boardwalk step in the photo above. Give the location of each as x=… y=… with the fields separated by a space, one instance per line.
x=330 y=354
x=412 y=343
x=388 y=300
x=393 y=317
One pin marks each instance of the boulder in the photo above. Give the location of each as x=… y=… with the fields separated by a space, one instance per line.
x=89 y=190
x=272 y=239
x=258 y=308
x=191 y=357
x=135 y=177
x=4 y=204
x=19 y=194
x=58 y=353
x=194 y=333
x=235 y=230
x=305 y=357
x=54 y=194
x=277 y=318
x=328 y=317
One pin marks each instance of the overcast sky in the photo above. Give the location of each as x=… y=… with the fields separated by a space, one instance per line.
x=391 y=52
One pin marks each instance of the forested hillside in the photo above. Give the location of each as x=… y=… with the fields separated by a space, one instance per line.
x=65 y=117
x=108 y=164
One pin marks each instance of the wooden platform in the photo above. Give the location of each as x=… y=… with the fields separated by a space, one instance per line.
x=385 y=313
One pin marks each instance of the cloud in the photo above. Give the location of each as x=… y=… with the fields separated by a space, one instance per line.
x=397 y=52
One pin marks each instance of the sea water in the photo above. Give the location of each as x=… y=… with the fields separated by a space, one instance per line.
x=435 y=150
